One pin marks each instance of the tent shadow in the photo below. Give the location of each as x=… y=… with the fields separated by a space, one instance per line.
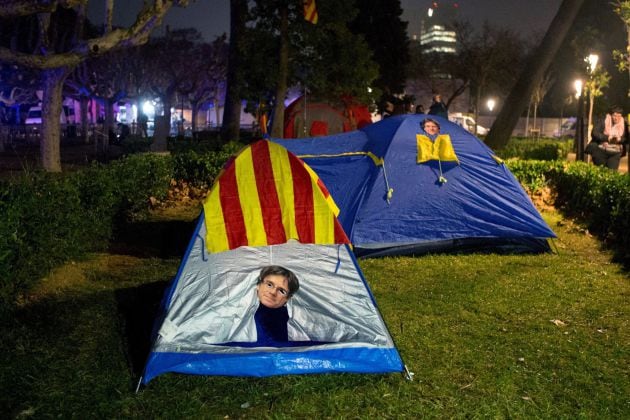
x=162 y=239
x=138 y=308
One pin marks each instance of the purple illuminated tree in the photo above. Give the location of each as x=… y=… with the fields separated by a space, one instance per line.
x=61 y=44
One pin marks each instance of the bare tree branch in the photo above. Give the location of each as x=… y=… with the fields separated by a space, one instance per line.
x=13 y=8
x=137 y=34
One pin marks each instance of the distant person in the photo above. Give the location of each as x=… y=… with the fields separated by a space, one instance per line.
x=419 y=109
x=389 y=110
x=609 y=139
x=143 y=123
x=438 y=108
x=274 y=288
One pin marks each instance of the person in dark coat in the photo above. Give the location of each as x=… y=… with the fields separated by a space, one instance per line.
x=438 y=107
x=609 y=139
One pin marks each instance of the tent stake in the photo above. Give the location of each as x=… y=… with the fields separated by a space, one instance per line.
x=408 y=374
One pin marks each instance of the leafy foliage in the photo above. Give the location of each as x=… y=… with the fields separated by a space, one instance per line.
x=326 y=58
x=199 y=169
x=544 y=149
x=51 y=219
x=56 y=29
x=386 y=34
x=601 y=198
x=622 y=57
x=534 y=175
x=597 y=196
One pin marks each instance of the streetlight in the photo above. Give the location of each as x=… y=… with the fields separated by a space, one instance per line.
x=592 y=60
x=579 y=121
x=578 y=84
x=490 y=104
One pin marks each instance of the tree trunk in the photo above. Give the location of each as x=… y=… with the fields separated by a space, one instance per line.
x=84 y=101
x=162 y=124
x=231 y=125
x=476 y=110
x=535 y=118
x=532 y=74
x=194 y=111
x=277 y=127
x=52 y=99
x=527 y=120
x=109 y=125
x=589 y=127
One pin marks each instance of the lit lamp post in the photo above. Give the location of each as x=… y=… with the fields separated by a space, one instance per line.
x=578 y=84
x=490 y=104
x=592 y=60
x=579 y=121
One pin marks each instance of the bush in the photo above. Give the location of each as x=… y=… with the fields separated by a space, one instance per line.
x=135 y=144
x=533 y=174
x=203 y=142
x=597 y=196
x=42 y=225
x=50 y=218
x=543 y=149
x=200 y=169
x=137 y=178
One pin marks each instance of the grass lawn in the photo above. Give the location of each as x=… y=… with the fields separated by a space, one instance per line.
x=545 y=336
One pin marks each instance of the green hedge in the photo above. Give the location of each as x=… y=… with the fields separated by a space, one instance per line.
x=542 y=149
x=601 y=198
x=533 y=174
x=200 y=168
x=51 y=218
x=597 y=196
x=48 y=219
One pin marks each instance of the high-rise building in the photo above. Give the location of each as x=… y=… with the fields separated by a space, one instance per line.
x=436 y=33
x=438 y=39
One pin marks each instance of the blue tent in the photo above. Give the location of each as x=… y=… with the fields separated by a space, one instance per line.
x=395 y=201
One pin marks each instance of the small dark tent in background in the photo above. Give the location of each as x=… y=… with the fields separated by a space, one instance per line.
x=401 y=193
x=268 y=208
x=323 y=118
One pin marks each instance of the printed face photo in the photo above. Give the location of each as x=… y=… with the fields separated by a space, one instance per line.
x=431 y=128
x=273 y=291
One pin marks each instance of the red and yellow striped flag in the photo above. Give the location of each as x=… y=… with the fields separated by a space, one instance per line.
x=267 y=196
x=310 y=11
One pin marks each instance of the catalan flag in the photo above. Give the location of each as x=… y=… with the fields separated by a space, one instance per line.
x=267 y=196
x=310 y=11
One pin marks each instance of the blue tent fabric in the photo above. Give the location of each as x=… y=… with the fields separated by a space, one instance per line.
x=480 y=205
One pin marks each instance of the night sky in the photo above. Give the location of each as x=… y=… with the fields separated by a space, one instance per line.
x=212 y=17
x=526 y=17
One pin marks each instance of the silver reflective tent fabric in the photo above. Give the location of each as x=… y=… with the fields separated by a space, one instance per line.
x=213 y=300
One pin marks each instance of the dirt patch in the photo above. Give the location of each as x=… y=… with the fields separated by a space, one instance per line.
x=544 y=199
